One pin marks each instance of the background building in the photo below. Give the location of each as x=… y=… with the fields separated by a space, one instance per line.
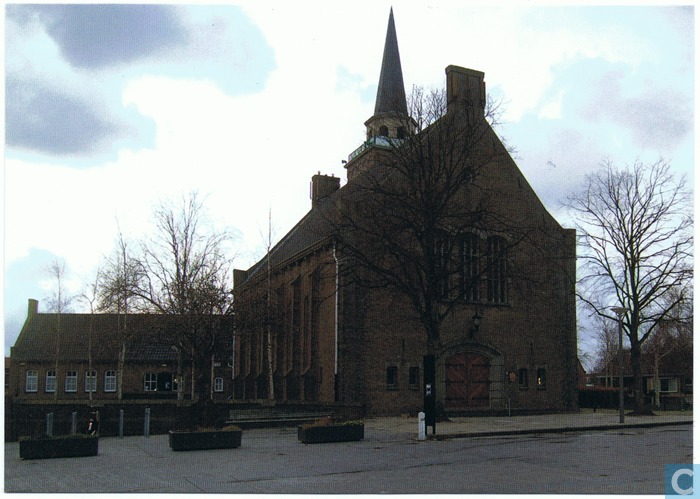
x=76 y=357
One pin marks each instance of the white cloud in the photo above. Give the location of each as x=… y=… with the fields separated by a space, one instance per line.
x=249 y=150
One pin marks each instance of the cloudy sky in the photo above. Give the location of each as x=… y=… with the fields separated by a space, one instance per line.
x=112 y=109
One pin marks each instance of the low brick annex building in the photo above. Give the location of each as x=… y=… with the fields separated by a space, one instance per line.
x=307 y=332
x=74 y=357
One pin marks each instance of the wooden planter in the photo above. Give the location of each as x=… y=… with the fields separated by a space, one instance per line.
x=63 y=446
x=205 y=439
x=330 y=433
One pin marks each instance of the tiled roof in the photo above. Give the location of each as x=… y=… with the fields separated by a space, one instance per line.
x=310 y=231
x=146 y=342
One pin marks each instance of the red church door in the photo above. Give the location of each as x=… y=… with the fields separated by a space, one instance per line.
x=467 y=381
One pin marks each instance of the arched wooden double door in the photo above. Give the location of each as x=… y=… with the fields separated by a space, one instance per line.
x=467 y=380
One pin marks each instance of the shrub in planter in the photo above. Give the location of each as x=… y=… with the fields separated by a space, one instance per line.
x=59 y=446
x=326 y=430
x=205 y=438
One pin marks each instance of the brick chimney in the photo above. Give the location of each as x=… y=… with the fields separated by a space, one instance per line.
x=465 y=89
x=323 y=186
x=32 y=307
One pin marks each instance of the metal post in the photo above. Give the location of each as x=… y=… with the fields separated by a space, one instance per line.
x=620 y=311
x=74 y=423
x=147 y=423
x=621 y=391
x=421 y=426
x=49 y=424
x=121 y=423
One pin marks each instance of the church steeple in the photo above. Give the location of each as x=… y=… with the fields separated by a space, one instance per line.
x=391 y=123
x=391 y=97
x=390 y=117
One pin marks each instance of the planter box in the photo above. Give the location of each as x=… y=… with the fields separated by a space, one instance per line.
x=330 y=433
x=202 y=440
x=64 y=446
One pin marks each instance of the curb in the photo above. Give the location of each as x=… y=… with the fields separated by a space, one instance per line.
x=566 y=429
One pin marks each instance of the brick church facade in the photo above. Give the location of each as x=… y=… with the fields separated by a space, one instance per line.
x=307 y=332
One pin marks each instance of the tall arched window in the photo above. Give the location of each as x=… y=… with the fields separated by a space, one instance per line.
x=32 y=382
x=384 y=131
x=110 y=381
x=470 y=267
x=497 y=270
x=91 y=381
x=50 y=385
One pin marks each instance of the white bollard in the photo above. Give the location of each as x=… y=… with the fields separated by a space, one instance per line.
x=421 y=426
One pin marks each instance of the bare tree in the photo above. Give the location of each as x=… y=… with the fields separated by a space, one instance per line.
x=405 y=223
x=59 y=303
x=90 y=297
x=672 y=340
x=422 y=216
x=118 y=285
x=184 y=274
x=608 y=348
x=634 y=228
x=268 y=313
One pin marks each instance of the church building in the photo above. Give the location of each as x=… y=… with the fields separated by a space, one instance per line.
x=319 y=321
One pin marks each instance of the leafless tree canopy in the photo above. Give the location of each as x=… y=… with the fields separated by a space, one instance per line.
x=404 y=222
x=60 y=301
x=635 y=230
x=183 y=273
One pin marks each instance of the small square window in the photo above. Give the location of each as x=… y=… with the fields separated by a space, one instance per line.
x=218 y=384
x=392 y=377
x=541 y=378
x=523 y=380
x=413 y=377
x=150 y=382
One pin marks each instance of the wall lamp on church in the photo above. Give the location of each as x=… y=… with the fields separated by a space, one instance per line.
x=476 y=322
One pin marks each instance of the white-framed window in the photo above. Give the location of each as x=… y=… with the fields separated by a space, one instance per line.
x=91 y=381
x=218 y=384
x=50 y=385
x=110 y=381
x=71 y=381
x=150 y=382
x=32 y=383
x=668 y=385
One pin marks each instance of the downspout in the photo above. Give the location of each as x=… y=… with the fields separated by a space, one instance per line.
x=337 y=298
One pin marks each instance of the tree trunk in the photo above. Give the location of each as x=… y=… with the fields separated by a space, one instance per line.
x=120 y=371
x=638 y=390
x=657 y=381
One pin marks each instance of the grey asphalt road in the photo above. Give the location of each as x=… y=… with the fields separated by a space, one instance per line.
x=624 y=461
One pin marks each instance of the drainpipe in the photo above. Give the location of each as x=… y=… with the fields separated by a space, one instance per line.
x=337 y=287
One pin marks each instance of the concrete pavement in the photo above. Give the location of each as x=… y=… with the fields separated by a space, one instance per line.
x=463 y=427
x=273 y=457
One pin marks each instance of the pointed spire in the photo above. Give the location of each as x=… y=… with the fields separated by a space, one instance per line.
x=391 y=96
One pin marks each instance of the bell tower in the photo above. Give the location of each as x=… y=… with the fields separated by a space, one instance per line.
x=391 y=122
x=390 y=117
